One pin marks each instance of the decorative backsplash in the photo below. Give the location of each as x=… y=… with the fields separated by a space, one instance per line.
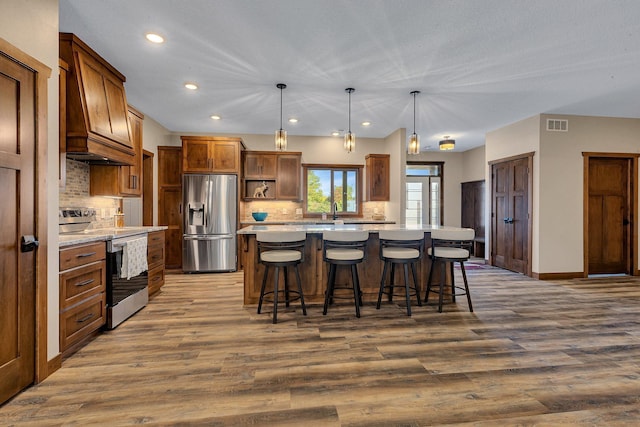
x=76 y=194
x=286 y=211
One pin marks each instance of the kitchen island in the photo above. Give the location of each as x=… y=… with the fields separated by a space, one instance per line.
x=314 y=271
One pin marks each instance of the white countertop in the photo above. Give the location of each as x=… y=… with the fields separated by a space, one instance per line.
x=104 y=234
x=313 y=221
x=319 y=228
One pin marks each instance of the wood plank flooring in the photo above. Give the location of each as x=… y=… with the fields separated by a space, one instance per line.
x=532 y=353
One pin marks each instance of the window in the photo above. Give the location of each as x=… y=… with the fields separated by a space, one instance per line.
x=424 y=195
x=326 y=185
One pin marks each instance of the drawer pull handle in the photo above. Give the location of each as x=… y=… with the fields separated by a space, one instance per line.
x=85 y=282
x=85 y=255
x=155 y=279
x=85 y=318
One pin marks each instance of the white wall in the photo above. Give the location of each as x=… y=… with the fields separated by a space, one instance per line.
x=557 y=245
x=474 y=164
x=561 y=178
x=515 y=139
x=154 y=135
x=32 y=26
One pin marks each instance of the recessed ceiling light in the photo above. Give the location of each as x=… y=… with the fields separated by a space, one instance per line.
x=191 y=86
x=154 y=38
x=293 y=120
x=216 y=117
x=335 y=133
x=366 y=123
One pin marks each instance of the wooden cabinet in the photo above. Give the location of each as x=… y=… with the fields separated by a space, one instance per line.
x=170 y=203
x=259 y=165
x=288 y=180
x=377 y=177
x=155 y=260
x=82 y=293
x=96 y=106
x=280 y=172
x=121 y=181
x=207 y=154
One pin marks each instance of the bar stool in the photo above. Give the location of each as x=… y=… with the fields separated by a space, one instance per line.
x=281 y=249
x=450 y=246
x=344 y=247
x=403 y=247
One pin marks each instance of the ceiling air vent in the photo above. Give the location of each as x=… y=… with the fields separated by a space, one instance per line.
x=556 y=125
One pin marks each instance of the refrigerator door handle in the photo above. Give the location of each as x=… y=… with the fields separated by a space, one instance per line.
x=209 y=237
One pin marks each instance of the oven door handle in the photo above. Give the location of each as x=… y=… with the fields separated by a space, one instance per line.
x=209 y=237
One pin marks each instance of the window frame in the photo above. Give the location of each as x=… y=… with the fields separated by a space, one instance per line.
x=440 y=175
x=333 y=168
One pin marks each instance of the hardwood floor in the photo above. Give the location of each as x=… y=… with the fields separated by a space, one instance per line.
x=532 y=353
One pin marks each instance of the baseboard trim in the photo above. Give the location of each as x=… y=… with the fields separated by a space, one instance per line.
x=54 y=364
x=558 y=276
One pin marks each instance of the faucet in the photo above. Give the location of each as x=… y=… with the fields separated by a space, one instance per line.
x=335 y=210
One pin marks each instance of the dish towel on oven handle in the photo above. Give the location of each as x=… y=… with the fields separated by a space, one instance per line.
x=134 y=258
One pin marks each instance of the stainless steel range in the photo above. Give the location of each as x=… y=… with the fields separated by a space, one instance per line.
x=125 y=296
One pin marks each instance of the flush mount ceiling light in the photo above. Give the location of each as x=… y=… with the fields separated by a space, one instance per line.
x=281 y=135
x=349 y=138
x=191 y=86
x=215 y=117
x=335 y=133
x=154 y=38
x=447 y=144
x=366 y=123
x=414 y=139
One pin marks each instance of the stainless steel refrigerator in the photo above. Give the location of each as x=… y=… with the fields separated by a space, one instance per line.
x=209 y=240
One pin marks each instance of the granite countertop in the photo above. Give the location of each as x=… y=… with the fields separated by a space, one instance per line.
x=319 y=228
x=313 y=221
x=104 y=234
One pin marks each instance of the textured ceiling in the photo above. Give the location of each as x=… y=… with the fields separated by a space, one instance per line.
x=479 y=64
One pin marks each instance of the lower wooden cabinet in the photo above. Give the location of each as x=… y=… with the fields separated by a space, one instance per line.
x=82 y=293
x=155 y=260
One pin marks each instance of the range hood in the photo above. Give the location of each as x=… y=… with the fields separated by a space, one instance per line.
x=95 y=107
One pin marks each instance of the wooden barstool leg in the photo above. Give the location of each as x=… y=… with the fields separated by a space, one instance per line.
x=286 y=286
x=466 y=285
x=442 y=285
x=415 y=283
x=264 y=282
x=304 y=307
x=431 y=268
x=406 y=288
x=384 y=275
x=328 y=293
x=453 y=283
x=392 y=282
x=275 y=295
x=356 y=290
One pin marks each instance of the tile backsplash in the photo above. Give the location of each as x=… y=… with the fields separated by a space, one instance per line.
x=286 y=211
x=76 y=194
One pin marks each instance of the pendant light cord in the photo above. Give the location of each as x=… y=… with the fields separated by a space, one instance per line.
x=281 y=107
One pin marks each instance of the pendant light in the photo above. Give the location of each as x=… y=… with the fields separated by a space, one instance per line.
x=349 y=138
x=414 y=139
x=281 y=135
x=447 y=144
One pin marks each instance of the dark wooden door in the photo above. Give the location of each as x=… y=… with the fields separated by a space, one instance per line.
x=473 y=212
x=609 y=213
x=510 y=218
x=17 y=216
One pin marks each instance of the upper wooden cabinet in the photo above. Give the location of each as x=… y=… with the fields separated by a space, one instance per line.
x=259 y=165
x=123 y=181
x=288 y=180
x=96 y=106
x=209 y=154
x=377 y=171
x=281 y=172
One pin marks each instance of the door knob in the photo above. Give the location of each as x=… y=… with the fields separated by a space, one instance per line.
x=28 y=243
